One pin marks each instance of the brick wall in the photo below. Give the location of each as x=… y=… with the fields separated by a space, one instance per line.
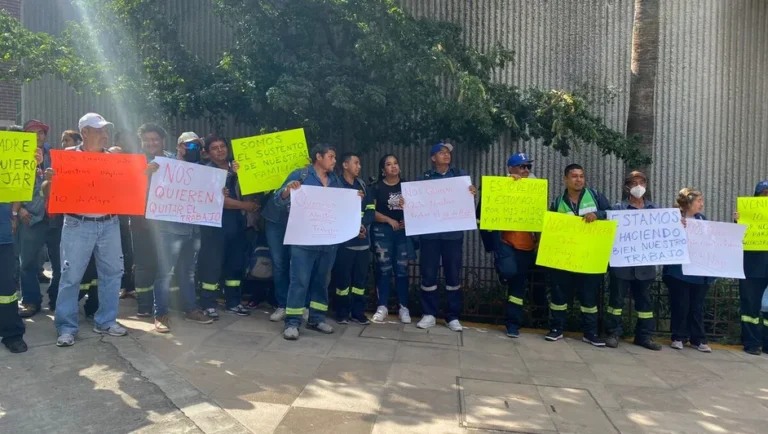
x=10 y=93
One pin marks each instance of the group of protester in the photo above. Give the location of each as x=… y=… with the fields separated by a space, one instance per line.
x=205 y=261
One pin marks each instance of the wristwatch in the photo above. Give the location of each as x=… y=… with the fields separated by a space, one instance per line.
x=14 y=215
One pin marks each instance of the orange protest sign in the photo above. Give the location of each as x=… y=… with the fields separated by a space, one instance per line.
x=98 y=183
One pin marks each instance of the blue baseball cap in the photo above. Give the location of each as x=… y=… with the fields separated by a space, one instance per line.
x=761 y=187
x=518 y=159
x=439 y=147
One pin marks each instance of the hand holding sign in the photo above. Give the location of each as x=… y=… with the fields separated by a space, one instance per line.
x=569 y=243
x=322 y=216
x=440 y=205
x=649 y=237
x=513 y=204
x=753 y=212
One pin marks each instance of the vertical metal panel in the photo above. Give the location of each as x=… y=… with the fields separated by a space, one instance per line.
x=711 y=91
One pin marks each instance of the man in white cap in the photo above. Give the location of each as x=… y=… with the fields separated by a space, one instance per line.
x=84 y=235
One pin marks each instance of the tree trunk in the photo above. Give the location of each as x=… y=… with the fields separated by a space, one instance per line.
x=645 y=56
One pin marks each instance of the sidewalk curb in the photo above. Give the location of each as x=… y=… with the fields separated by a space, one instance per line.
x=202 y=411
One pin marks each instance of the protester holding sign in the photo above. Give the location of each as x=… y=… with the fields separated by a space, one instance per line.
x=310 y=265
x=751 y=289
x=637 y=279
x=446 y=247
x=389 y=239
x=222 y=250
x=144 y=232
x=177 y=243
x=350 y=271
x=516 y=253
x=81 y=236
x=687 y=293
x=590 y=205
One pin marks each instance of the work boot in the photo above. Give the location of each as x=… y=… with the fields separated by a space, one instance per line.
x=198 y=316
x=648 y=344
x=15 y=345
x=162 y=324
x=612 y=341
x=322 y=327
x=291 y=333
x=28 y=310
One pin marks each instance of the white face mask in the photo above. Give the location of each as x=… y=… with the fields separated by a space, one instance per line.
x=637 y=191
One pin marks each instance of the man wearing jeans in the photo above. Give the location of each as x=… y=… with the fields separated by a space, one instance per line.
x=310 y=265
x=445 y=247
x=177 y=247
x=82 y=236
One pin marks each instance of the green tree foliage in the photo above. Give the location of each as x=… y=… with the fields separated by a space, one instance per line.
x=353 y=72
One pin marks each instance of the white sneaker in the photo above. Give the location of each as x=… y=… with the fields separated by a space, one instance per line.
x=678 y=345
x=455 y=325
x=381 y=315
x=277 y=315
x=427 y=321
x=405 y=315
x=114 y=330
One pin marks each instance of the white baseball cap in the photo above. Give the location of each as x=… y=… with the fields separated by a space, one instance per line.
x=92 y=120
x=186 y=137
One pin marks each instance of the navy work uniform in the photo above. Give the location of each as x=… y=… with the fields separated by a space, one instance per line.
x=353 y=259
x=638 y=280
x=754 y=333
x=590 y=201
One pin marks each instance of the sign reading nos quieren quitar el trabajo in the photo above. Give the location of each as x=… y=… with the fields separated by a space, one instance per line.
x=185 y=192
x=649 y=237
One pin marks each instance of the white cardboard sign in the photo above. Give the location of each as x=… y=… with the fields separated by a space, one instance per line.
x=716 y=249
x=185 y=192
x=649 y=237
x=439 y=205
x=322 y=216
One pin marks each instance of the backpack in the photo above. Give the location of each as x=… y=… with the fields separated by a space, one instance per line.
x=260 y=261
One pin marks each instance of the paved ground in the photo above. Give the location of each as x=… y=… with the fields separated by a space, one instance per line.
x=238 y=375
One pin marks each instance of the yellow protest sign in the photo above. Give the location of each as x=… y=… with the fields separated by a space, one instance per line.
x=509 y=205
x=568 y=243
x=266 y=160
x=753 y=212
x=17 y=166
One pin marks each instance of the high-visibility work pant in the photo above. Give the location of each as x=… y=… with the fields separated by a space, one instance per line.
x=310 y=276
x=11 y=325
x=433 y=253
x=517 y=286
x=643 y=306
x=754 y=332
x=350 y=273
x=222 y=257
x=564 y=284
x=144 y=238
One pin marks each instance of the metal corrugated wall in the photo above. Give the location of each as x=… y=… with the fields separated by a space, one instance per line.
x=712 y=88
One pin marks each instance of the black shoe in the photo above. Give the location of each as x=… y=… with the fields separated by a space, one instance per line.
x=594 y=340
x=752 y=350
x=342 y=320
x=553 y=335
x=28 y=310
x=649 y=344
x=362 y=320
x=42 y=278
x=16 y=346
x=612 y=342
x=513 y=332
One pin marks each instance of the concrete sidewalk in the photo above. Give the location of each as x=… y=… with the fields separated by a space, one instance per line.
x=239 y=375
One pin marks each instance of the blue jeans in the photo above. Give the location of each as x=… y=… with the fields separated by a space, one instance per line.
x=281 y=257
x=80 y=239
x=31 y=240
x=433 y=252
x=391 y=254
x=179 y=251
x=310 y=276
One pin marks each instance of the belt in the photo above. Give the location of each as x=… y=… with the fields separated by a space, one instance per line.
x=92 y=219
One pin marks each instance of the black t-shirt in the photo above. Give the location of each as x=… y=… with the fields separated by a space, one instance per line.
x=388 y=200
